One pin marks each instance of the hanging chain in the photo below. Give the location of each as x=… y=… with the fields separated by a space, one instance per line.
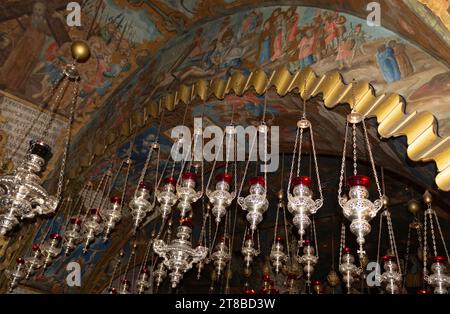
x=341 y=242
x=316 y=166
x=341 y=178
x=276 y=222
x=441 y=235
x=372 y=162
x=67 y=142
x=293 y=160
x=433 y=238
x=299 y=152
x=425 y=248
x=355 y=170
x=392 y=239
x=408 y=244
x=315 y=235
x=380 y=227
x=116 y=266
x=59 y=96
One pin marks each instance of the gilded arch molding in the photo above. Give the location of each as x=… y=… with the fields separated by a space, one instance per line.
x=420 y=128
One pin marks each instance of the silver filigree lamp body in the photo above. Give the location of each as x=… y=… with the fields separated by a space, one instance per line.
x=140 y=205
x=308 y=260
x=112 y=215
x=72 y=235
x=439 y=278
x=186 y=193
x=51 y=248
x=391 y=278
x=221 y=255
x=255 y=204
x=91 y=228
x=301 y=204
x=248 y=250
x=167 y=197
x=221 y=197
x=277 y=256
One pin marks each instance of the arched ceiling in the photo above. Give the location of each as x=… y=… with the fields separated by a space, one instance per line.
x=141 y=49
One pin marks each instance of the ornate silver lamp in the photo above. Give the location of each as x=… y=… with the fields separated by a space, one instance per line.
x=179 y=255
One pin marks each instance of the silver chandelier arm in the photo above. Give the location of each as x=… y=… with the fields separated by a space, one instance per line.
x=377 y=205
x=342 y=201
x=319 y=204
x=241 y=201
x=160 y=248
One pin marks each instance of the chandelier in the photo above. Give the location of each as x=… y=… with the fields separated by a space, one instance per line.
x=21 y=193
x=112 y=214
x=221 y=197
x=167 y=197
x=301 y=203
x=249 y=250
x=255 y=204
x=221 y=255
x=308 y=260
x=277 y=256
x=140 y=206
x=391 y=278
x=438 y=277
x=186 y=193
x=357 y=207
x=179 y=255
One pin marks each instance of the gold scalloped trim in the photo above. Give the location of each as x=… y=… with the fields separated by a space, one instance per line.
x=424 y=144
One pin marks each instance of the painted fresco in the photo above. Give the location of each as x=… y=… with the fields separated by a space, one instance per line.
x=125 y=36
x=34 y=47
x=266 y=37
x=296 y=37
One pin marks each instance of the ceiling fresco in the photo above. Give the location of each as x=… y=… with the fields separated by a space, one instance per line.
x=143 y=48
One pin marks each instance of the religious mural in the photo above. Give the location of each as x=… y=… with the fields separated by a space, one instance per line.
x=126 y=71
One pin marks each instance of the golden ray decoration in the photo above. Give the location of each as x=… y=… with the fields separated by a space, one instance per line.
x=420 y=128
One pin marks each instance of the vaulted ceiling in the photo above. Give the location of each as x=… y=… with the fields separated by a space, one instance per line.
x=143 y=50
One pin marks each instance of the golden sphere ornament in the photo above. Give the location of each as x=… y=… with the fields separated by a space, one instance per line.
x=413 y=207
x=385 y=200
x=427 y=198
x=280 y=195
x=247 y=272
x=80 y=51
x=333 y=278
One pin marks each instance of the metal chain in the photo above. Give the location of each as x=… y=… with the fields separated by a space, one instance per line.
x=380 y=227
x=408 y=244
x=293 y=160
x=315 y=235
x=299 y=152
x=286 y=234
x=342 y=242
x=116 y=266
x=430 y=215
x=341 y=177
x=441 y=235
x=392 y=239
x=67 y=142
x=316 y=166
x=425 y=248
x=275 y=229
x=372 y=162
x=59 y=95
